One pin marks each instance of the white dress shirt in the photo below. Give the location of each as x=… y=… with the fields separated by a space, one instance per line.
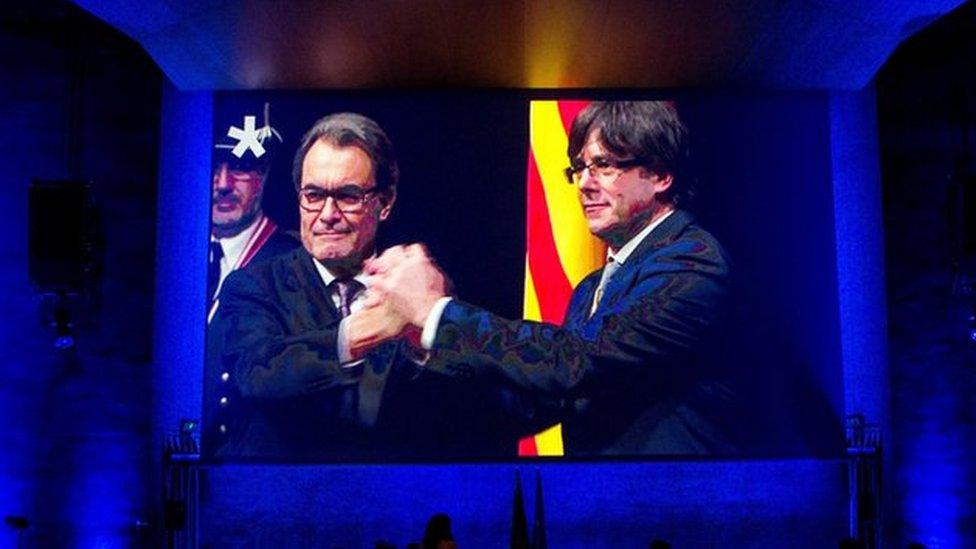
x=233 y=248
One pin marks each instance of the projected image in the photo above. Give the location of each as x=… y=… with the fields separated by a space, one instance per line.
x=399 y=277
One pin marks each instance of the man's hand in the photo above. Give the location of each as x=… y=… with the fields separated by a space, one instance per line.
x=371 y=326
x=407 y=280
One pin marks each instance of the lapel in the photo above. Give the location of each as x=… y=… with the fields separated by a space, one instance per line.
x=309 y=292
x=579 y=306
x=626 y=276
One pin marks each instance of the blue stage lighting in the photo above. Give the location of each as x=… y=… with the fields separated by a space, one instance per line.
x=64 y=342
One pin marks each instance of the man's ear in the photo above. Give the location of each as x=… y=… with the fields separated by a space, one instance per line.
x=387 y=198
x=660 y=181
x=663 y=183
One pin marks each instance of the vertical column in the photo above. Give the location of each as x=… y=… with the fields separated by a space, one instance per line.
x=861 y=299
x=860 y=252
x=181 y=261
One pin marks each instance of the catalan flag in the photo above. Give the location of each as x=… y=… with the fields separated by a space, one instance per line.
x=560 y=250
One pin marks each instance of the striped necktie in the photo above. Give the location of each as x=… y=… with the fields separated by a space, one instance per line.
x=346 y=290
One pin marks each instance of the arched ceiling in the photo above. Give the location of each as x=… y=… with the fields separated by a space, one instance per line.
x=253 y=44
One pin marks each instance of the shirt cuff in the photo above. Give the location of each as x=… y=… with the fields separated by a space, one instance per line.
x=433 y=321
x=342 y=346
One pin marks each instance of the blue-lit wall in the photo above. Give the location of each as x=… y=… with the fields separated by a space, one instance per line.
x=74 y=427
x=928 y=159
x=795 y=503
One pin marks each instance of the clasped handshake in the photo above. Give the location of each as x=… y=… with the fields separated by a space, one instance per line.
x=404 y=286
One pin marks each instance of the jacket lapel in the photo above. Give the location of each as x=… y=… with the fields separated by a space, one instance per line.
x=626 y=277
x=579 y=307
x=664 y=234
x=309 y=287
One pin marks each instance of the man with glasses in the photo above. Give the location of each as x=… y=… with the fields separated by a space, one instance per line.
x=283 y=326
x=624 y=373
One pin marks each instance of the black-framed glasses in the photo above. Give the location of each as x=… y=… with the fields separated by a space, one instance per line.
x=605 y=170
x=348 y=198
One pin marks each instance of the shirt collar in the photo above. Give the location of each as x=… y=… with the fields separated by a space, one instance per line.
x=328 y=277
x=624 y=252
x=233 y=246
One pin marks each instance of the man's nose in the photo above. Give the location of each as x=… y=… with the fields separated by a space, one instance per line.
x=330 y=211
x=222 y=178
x=587 y=182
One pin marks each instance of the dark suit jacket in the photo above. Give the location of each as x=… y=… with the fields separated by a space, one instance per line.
x=630 y=379
x=272 y=351
x=278 y=243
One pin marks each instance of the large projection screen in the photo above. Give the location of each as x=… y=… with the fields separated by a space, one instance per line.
x=481 y=185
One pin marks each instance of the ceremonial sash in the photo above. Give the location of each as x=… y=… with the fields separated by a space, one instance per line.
x=258 y=238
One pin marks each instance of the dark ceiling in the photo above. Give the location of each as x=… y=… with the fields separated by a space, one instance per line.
x=250 y=44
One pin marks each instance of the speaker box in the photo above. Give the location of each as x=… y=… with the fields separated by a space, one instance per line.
x=60 y=234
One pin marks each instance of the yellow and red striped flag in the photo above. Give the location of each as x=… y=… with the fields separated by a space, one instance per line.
x=560 y=250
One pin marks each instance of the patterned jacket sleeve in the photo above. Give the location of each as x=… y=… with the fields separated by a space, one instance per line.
x=642 y=338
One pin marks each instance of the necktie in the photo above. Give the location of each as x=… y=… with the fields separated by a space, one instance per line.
x=213 y=270
x=346 y=290
x=363 y=400
x=608 y=270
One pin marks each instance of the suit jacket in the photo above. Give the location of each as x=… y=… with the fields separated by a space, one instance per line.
x=630 y=380
x=278 y=243
x=272 y=353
